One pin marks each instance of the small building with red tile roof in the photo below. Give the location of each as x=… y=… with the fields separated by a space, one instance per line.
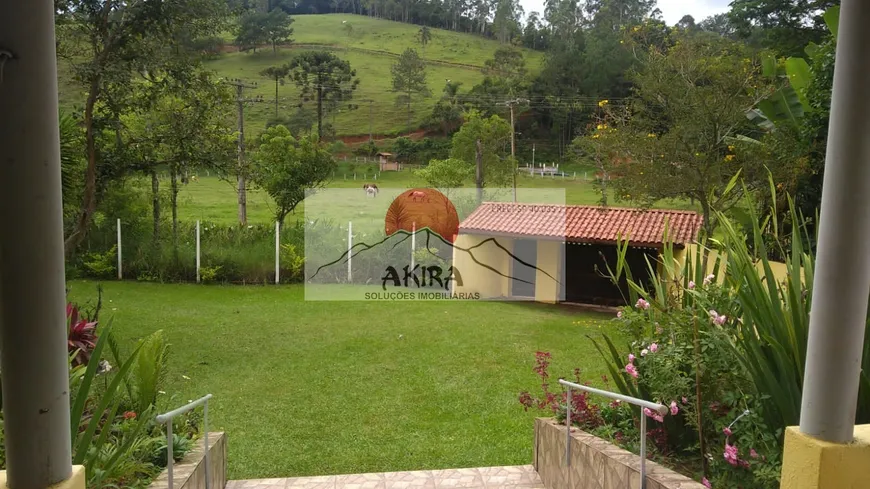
x=561 y=253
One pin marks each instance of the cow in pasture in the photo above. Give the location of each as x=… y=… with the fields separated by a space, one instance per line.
x=370 y=189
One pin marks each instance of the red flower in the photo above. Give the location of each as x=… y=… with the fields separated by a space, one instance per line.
x=130 y=415
x=81 y=335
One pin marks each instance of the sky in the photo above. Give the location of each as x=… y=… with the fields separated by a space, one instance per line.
x=673 y=10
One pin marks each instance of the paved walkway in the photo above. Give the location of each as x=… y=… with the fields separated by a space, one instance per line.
x=514 y=477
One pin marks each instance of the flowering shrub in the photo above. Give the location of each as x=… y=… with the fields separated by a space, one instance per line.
x=681 y=354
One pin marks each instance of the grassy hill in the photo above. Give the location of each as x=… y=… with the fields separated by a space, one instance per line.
x=371 y=48
x=394 y=37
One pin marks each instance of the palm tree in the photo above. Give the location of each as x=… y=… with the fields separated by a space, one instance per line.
x=277 y=73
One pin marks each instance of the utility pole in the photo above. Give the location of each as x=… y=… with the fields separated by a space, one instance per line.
x=479 y=176
x=533 y=155
x=511 y=104
x=242 y=167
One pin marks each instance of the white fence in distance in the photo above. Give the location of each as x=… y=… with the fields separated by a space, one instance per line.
x=199 y=252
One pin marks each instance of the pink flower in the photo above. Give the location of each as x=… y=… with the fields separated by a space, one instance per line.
x=642 y=304
x=716 y=318
x=674 y=408
x=753 y=453
x=691 y=285
x=631 y=370
x=654 y=347
x=727 y=431
x=730 y=454
x=709 y=279
x=685 y=401
x=619 y=315
x=654 y=415
x=631 y=358
x=706 y=483
x=644 y=352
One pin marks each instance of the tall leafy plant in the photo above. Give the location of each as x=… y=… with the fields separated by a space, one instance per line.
x=92 y=411
x=770 y=339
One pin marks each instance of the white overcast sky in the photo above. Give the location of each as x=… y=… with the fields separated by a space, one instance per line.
x=673 y=10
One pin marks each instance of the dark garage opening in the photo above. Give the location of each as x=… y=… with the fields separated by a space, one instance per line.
x=587 y=280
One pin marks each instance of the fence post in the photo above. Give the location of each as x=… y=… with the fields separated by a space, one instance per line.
x=277 y=252
x=197 y=251
x=349 y=251
x=120 y=274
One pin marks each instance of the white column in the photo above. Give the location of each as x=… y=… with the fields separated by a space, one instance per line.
x=120 y=271
x=277 y=252
x=33 y=346
x=197 y=252
x=842 y=274
x=349 y=252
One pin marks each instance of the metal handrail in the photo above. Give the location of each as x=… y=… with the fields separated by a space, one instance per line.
x=659 y=408
x=167 y=418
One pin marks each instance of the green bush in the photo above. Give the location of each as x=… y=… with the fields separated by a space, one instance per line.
x=732 y=343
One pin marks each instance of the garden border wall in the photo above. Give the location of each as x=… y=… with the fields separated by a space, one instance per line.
x=189 y=473
x=595 y=463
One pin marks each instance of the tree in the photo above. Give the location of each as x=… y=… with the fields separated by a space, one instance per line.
x=445 y=174
x=687 y=22
x=506 y=20
x=409 y=78
x=276 y=28
x=447 y=112
x=326 y=78
x=493 y=133
x=286 y=167
x=181 y=124
x=535 y=33
x=122 y=39
x=718 y=24
x=785 y=26
x=508 y=68
x=678 y=138
x=424 y=35
x=251 y=30
x=277 y=73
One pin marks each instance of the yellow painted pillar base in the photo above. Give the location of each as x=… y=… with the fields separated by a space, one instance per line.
x=75 y=481
x=810 y=463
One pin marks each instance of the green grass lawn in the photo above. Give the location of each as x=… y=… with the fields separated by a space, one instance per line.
x=307 y=388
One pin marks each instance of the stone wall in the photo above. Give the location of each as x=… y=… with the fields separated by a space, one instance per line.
x=190 y=473
x=595 y=463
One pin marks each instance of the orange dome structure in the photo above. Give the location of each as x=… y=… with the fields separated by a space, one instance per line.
x=422 y=208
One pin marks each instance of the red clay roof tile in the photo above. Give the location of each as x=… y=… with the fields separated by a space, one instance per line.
x=584 y=224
